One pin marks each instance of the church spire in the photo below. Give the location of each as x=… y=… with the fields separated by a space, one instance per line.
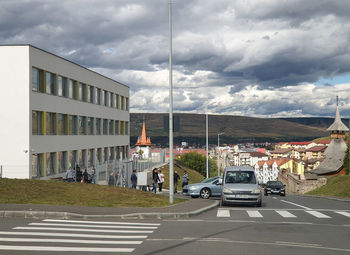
x=143 y=140
x=338 y=128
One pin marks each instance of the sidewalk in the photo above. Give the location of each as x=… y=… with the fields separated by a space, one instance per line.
x=186 y=209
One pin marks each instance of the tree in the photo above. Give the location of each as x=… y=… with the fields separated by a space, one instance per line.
x=197 y=162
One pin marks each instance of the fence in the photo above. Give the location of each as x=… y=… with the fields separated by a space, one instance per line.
x=118 y=172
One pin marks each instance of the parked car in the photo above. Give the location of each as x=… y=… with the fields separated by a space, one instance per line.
x=209 y=187
x=275 y=187
x=240 y=186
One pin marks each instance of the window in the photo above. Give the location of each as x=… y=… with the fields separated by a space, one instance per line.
x=105 y=154
x=98 y=126
x=70 y=125
x=91 y=157
x=127 y=103
x=98 y=96
x=103 y=97
x=80 y=89
x=114 y=100
x=105 y=127
x=50 y=83
x=61 y=124
x=111 y=127
x=111 y=154
x=126 y=127
x=99 y=155
x=70 y=90
x=62 y=155
x=109 y=99
x=90 y=126
x=117 y=127
x=50 y=163
x=81 y=125
x=35 y=165
x=117 y=101
x=122 y=103
x=37 y=81
x=90 y=94
x=50 y=123
x=61 y=86
x=36 y=123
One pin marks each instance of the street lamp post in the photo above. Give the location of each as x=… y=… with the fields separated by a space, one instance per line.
x=219 y=151
x=207 y=145
x=171 y=157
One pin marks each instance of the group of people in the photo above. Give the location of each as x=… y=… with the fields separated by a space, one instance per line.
x=158 y=178
x=76 y=175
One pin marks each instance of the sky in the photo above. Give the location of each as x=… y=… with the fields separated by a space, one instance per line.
x=261 y=58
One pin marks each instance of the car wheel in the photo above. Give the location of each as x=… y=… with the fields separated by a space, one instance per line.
x=283 y=194
x=205 y=193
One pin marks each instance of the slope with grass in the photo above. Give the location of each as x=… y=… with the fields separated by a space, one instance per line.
x=337 y=186
x=17 y=191
x=194 y=176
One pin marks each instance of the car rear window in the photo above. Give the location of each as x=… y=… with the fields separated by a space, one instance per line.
x=240 y=177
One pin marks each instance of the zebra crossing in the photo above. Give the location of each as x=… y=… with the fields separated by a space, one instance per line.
x=226 y=213
x=77 y=236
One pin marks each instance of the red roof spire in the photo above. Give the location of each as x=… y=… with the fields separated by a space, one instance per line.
x=144 y=140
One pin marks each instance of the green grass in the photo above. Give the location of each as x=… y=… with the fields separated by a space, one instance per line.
x=337 y=186
x=193 y=175
x=19 y=191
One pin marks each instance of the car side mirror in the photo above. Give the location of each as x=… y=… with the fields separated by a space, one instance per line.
x=219 y=182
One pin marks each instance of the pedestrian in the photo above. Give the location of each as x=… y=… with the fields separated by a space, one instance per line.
x=185 y=179
x=133 y=179
x=111 y=179
x=161 y=180
x=79 y=174
x=93 y=174
x=176 y=180
x=85 y=176
x=155 y=179
x=69 y=175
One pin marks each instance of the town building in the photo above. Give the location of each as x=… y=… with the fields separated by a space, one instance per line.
x=335 y=152
x=281 y=153
x=315 y=152
x=56 y=114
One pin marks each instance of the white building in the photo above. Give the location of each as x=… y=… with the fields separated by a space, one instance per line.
x=55 y=114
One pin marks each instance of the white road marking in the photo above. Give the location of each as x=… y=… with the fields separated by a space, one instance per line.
x=80 y=241
x=307 y=208
x=223 y=213
x=72 y=235
x=87 y=230
x=293 y=243
x=105 y=222
x=254 y=214
x=90 y=226
x=318 y=214
x=274 y=197
x=58 y=248
x=343 y=213
x=286 y=214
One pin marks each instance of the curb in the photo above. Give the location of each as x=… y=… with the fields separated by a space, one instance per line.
x=68 y=215
x=326 y=197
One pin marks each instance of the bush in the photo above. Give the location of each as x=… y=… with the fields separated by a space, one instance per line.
x=198 y=162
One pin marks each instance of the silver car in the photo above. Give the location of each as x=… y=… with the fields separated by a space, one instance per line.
x=209 y=187
x=240 y=186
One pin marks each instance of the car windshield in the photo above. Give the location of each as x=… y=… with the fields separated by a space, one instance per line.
x=209 y=180
x=274 y=184
x=240 y=177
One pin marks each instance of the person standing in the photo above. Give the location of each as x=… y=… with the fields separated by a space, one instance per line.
x=133 y=179
x=161 y=180
x=155 y=180
x=176 y=181
x=70 y=175
x=185 y=179
x=85 y=176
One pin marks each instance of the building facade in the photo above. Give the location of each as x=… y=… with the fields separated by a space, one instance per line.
x=56 y=114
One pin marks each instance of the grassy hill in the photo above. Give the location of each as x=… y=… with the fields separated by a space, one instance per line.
x=337 y=186
x=235 y=128
x=17 y=191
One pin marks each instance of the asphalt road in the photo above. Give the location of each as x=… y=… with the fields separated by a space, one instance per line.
x=283 y=225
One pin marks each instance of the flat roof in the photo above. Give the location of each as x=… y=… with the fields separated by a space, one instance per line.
x=30 y=45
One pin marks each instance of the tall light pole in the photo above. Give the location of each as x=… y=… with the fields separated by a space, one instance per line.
x=171 y=156
x=206 y=135
x=219 y=151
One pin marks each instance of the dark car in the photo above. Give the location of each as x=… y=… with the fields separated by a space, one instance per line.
x=275 y=187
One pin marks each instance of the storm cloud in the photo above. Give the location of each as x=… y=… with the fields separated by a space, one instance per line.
x=254 y=57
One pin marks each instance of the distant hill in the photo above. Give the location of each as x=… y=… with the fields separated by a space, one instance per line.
x=321 y=122
x=191 y=128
